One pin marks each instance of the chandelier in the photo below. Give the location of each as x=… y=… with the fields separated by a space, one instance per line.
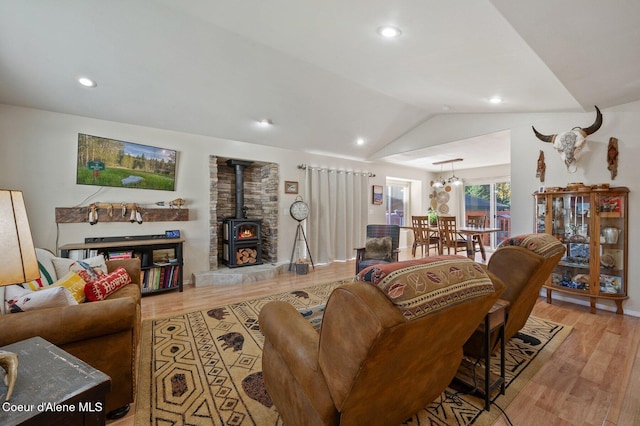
x=453 y=180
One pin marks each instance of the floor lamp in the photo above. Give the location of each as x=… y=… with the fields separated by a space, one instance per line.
x=18 y=263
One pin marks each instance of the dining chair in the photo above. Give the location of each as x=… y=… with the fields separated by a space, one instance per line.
x=449 y=236
x=477 y=221
x=423 y=235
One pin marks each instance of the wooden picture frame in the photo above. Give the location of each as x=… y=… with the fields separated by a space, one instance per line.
x=290 y=187
x=377 y=195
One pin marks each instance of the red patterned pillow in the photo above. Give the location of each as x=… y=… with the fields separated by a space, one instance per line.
x=107 y=284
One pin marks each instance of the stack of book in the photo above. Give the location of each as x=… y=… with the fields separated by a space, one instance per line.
x=159 y=278
x=126 y=254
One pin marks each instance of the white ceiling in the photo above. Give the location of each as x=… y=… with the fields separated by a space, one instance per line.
x=319 y=70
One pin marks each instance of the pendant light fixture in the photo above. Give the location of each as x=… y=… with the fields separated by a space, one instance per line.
x=454 y=180
x=440 y=182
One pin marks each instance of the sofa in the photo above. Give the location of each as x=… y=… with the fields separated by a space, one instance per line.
x=104 y=334
x=386 y=347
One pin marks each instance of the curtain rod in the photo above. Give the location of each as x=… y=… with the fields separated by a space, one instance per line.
x=305 y=167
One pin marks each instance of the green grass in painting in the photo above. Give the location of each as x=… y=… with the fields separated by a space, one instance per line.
x=114 y=176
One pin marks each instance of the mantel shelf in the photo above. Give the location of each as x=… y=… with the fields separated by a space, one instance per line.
x=81 y=215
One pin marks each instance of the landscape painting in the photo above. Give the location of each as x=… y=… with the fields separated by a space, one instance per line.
x=110 y=162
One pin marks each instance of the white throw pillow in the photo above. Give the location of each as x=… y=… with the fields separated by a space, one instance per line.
x=23 y=300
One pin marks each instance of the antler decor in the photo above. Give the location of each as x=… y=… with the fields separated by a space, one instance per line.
x=177 y=203
x=9 y=362
x=569 y=144
x=131 y=212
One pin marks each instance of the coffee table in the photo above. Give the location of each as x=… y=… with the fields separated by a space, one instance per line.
x=53 y=388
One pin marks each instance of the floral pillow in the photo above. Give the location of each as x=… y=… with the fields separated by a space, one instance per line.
x=89 y=269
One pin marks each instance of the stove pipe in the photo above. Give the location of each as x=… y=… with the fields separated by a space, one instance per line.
x=239 y=165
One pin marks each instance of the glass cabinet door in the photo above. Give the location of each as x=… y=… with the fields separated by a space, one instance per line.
x=571 y=225
x=611 y=243
x=541 y=213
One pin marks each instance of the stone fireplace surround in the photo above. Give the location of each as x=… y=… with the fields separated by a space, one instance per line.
x=261 y=182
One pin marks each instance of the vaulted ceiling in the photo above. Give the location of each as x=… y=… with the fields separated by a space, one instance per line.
x=319 y=71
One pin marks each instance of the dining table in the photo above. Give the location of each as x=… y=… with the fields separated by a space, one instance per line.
x=468 y=232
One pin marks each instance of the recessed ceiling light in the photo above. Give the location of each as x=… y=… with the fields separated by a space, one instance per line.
x=87 y=82
x=389 y=31
x=360 y=141
x=265 y=122
x=496 y=100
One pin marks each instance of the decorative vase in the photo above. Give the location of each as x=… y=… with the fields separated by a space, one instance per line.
x=610 y=234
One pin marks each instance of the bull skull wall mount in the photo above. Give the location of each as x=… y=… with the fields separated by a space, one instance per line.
x=569 y=144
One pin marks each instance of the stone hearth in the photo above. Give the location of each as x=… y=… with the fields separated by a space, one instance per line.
x=233 y=276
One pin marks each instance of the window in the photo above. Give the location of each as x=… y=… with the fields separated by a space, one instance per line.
x=493 y=200
x=397 y=201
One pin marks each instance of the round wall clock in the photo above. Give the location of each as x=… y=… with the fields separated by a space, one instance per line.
x=299 y=210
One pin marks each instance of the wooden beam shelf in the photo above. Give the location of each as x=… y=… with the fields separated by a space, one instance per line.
x=81 y=215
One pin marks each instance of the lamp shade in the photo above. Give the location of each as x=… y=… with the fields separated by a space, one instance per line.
x=18 y=263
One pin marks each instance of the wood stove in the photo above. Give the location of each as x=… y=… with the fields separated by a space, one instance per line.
x=241 y=242
x=241 y=237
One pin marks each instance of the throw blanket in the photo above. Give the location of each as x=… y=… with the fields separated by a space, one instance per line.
x=543 y=244
x=422 y=286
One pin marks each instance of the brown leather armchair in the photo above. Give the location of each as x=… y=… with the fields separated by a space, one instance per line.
x=523 y=263
x=379 y=357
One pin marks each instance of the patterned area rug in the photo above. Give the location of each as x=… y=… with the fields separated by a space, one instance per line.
x=204 y=368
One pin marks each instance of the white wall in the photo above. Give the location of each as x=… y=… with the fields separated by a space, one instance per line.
x=469 y=176
x=621 y=122
x=38 y=156
x=39 y=149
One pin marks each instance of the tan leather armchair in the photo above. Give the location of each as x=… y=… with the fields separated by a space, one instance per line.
x=371 y=363
x=523 y=263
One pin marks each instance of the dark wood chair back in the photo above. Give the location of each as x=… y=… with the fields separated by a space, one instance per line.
x=449 y=238
x=478 y=221
x=423 y=236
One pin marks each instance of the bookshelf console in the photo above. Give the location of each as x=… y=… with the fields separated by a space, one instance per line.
x=160 y=259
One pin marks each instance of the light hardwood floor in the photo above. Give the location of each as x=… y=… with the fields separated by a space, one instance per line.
x=593 y=378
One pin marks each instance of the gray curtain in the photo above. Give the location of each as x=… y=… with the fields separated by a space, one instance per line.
x=337 y=213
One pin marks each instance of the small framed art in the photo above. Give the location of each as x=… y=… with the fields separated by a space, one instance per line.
x=290 y=187
x=377 y=195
